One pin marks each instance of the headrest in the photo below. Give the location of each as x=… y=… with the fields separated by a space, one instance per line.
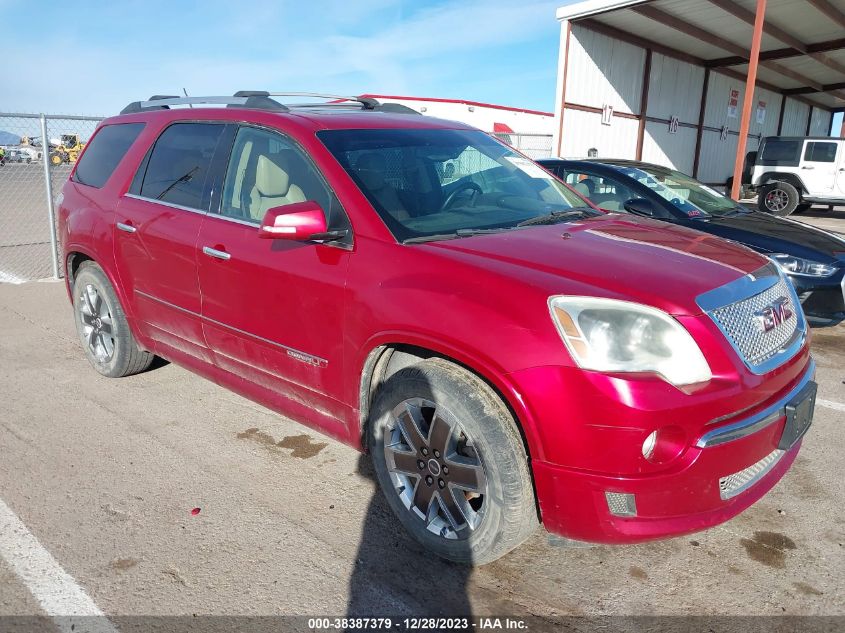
x=371 y=169
x=271 y=179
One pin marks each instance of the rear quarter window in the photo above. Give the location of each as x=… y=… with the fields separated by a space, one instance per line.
x=785 y=152
x=104 y=153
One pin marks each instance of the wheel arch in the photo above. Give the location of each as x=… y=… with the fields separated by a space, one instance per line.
x=775 y=176
x=75 y=256
x=386 y=358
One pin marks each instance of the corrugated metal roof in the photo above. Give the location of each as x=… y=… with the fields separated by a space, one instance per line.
x=704 y=31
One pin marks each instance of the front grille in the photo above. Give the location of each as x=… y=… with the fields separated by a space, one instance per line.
x=739 y=321
x=731 y=485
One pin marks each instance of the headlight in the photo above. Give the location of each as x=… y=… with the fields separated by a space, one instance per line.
x=619 y=336
x=803 y=267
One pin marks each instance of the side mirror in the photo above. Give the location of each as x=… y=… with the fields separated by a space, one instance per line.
x=300 y=221
x=640 y=206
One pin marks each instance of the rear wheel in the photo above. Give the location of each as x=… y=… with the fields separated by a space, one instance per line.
x=779 y=198
x=451 y=462
x=102 y=328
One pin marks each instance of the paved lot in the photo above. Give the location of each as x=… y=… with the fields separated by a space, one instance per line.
x=825 y=218
x=105 y=473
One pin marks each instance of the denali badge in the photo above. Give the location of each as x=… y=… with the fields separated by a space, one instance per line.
x=773 y=315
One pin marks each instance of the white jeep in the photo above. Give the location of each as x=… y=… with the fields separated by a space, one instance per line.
x=791 y=173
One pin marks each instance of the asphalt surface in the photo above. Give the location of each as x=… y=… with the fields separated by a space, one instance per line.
x=105 y=475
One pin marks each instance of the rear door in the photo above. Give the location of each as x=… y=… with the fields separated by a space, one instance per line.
x=818 y=167
x=273 y=309
x=155 y=235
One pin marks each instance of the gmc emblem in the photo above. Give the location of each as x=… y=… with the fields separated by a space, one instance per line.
x=773 y=315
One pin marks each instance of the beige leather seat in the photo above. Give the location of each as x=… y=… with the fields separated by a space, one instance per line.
x=372 y=170
x=272 y=187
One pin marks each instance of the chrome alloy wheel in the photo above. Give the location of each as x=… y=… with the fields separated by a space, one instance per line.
x=776 y=200
x=435 y=468
x=97 y=330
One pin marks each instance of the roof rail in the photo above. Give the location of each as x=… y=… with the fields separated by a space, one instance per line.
x=261 y=100
x=244 y=99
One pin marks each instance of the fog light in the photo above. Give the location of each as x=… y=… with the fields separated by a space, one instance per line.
x=621 y=504
x=664 y=444
x=648 y=445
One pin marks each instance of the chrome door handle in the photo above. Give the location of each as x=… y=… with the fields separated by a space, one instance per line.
x=806 y=167
x=213 y=252
x=126 y=227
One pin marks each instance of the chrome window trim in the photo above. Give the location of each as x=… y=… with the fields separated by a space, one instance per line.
x=192 y=210
x=291 y=351
x=744 y=288
x=164 y=203
x=758 y=421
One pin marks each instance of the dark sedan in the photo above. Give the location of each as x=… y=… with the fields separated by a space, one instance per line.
x=813 y=259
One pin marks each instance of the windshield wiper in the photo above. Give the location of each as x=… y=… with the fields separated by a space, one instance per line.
x=729 y=214
x=558 y=216
x=452 y=236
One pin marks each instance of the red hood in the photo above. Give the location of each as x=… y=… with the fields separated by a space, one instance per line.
x=617 y=256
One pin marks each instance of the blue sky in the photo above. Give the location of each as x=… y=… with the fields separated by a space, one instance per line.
x=102 y=55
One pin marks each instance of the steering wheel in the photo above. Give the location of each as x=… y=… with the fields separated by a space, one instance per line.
x=468 y=186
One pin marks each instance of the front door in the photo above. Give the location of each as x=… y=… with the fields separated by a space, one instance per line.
x=273 y=309
x=818 y=167
x=155 y=235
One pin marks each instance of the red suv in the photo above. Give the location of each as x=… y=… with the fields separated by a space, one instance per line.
x=417 y=289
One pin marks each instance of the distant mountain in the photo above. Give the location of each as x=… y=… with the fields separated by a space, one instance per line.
x=7 y=138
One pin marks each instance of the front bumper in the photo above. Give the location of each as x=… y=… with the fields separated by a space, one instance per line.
x=726 y=466
x=822 y=297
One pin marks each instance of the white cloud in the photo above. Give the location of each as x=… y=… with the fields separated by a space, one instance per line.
x=347 y=47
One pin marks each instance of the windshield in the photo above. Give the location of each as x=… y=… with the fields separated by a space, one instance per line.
x=441 y=183
x=689 y=196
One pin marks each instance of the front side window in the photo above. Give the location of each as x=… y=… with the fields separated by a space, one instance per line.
x=104 y=152
x=606 y=193
x=265 y=171
x=816 y=152
x=438 y=182
x=686 y=194
x=178 y=164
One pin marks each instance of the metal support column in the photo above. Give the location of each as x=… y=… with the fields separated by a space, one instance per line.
x=48 y=186
x=750 y=82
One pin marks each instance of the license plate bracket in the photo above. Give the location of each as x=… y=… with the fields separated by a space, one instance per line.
x=799 y=416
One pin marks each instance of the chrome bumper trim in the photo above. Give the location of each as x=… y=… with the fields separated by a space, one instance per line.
x=758 y=421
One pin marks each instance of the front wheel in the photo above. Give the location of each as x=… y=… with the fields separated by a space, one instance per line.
x=779 y=198
x=451 y=462
x=102 y=327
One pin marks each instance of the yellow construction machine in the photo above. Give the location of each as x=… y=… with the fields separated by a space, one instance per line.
x=67 y=151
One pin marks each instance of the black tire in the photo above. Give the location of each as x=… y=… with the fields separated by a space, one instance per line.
x=121 y=357
x=778 y=198
x=507 y=509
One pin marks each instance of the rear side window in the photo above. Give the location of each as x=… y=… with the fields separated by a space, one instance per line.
x=777 y=151
x=820 y=152
x=179 y=163
x=104 y=152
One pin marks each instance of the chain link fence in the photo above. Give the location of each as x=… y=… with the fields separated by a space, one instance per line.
x=38 y=154
x=532 y=145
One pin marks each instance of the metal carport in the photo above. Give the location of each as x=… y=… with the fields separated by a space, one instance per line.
x=667 y=81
